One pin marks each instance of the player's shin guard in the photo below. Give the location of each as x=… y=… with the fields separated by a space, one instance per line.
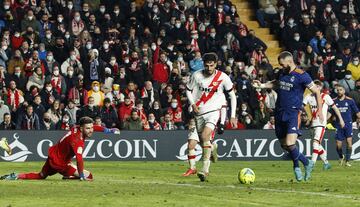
x=348 y=153
x=191 y=158
x=206 y=156
x=30 y=176
x=323 y=154
x=316 y=151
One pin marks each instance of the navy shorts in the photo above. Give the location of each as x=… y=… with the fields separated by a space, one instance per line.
x=287 y=123
x=343 y=133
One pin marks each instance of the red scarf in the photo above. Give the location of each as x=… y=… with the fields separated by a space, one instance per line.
x=56 y=84
x=16 y=96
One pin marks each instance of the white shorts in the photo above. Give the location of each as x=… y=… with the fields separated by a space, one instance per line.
x=318 y=133
x=209 y=120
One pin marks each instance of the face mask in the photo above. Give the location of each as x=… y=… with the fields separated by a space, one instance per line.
x=339 y=64
x=96 y=88
x=151 y=120
x=88 y=46
x=347 y=76
x=344 y=11
x=180 y=59
x=67 y=36
x=65 y=120
x=156 y=107
x=70 y=6
x=195 y=37
x=328 y=9
x=117 y=12
x=178 y=25
x=220 y=10
x=70 y=73
x=126 y=61
x=50 y=58
x=48 y=88
x=297 y=38
x=48 y=36
x=247 y=120
x=112 y=62
x=56 y=73
x=6 y=7
x=60 y=19
x=233 y=10
x=207 y=23
x=30 y=17
x=77 y=19
x=106 y=46
x=345 y=36
x=91 y=105
x=174 y=105
x=85 y=10
x=231 y=61
x=102 y=9
x=73 y=57
x=17 y=35
x=291 y=21
x=224 y=48
x=153 y=47
x=212 y=35
x=17 y=74
x=191 y=19
x=356 y=62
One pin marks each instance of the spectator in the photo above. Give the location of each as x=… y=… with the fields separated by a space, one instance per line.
x=354 y=68
x=16 y=61
x=39 y=109
x=96 y=93
x=91 y=109
x=4 y=109
x=168 y=123
x=271 y=123
x=64 y=123
x=347 y=82
x=48 y=95
x=153 y=124
x=108 y=114
x=125 y=109
x=355 y=94
x=14 y=97
x=355 y=125
x=7 y=123
x=71 y=109
x=196 y=63
x=238 y=126
x=175 y=112
x=47 y=123
x=133 y=122
x=78 y=93
x=261 y=116
x=36 y=79
x=318 y=42
x=55 y=112
x=29 y=120
x=73 y=62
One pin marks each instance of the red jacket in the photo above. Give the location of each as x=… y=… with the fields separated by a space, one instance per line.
x=176 y=114
x=160 y=70
x=124 y=111
x=239 y=125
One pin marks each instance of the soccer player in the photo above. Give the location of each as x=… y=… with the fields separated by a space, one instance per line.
x=60 y=155
x=347 y=108
x=291 y=85
x=4 y=145
x=318 y=127
x=204 y=91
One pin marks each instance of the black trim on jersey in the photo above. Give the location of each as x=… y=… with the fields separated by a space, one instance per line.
x=187 y=88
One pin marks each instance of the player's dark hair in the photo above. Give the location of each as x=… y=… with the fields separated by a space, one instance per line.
x=210 y=57
x=85 y=120
x=283 y=55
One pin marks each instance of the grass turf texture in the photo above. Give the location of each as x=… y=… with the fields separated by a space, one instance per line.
x=161 y=184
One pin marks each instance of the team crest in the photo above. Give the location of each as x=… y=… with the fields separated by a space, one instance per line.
x=292 y=79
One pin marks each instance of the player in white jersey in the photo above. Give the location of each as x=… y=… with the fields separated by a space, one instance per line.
x=318 y=127
x=204 y=92
x=4 y=145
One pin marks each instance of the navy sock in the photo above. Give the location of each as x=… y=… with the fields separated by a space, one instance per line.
x=348 y=153
x=296 y=155
x=340 y=152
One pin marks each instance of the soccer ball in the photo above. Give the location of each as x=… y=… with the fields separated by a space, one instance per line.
x=246 y=176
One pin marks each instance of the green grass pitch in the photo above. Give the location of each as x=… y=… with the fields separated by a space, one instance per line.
x=161 y=184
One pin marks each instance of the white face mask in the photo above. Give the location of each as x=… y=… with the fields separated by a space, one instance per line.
x=6 y=7
x=91 y=105
x=67 y=36
x=220 y=10
x=30 y=17
x=212 y=35
x=339 y=64
x=50 y=58
x=70 y=6
x=106 y=46
x=73 y=57
x=152 y=120
x=224 y=48
x=195 y=37
x=356 y=62
x=56 y=72
x=77 y=18
x=48 y=88
x=117 y=12
x=347 y=76
x=60 y=19
x=102 y=9
x=17 y=74
x=112 y=62
x=48 y=36
x=174 y=105
x=178 y=25
x=328 y=9
x=96 y=88
x=247 y=120
x=297 y=38
x=70 y=73
x=233 y=10
x=153 y=47
x=191 y=19
x=88 y=46
x=65 y=120
x=126 y=61
x=17 y=34
x=180 y=58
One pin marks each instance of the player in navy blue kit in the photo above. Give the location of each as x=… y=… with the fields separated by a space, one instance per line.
x=347 y=108
x=291 y=85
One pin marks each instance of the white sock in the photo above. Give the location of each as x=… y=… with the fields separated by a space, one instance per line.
x=323 y=154
x=206 y=156
x=316 y=149
x=191 y=158
x=223 y=115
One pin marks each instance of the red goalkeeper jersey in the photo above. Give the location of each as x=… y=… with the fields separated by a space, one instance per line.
x=72 y=144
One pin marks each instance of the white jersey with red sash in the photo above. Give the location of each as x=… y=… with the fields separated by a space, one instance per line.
x=208 y=92
x=326 y=101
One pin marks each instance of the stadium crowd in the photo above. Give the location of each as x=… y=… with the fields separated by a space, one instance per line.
x=126 y=65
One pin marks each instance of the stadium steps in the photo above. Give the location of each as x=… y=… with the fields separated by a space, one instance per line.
x=247 y=16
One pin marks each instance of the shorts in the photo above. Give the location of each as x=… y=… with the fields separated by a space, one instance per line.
x=287 y=123
x=209 y=120
x=343 y=133
x=318 y=133
x=50 y=168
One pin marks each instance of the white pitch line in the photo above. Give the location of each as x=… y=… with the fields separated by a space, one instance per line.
x=240 y=187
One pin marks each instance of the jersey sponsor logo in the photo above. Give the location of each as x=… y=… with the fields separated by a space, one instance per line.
x=286 y=86
x=20 y=155
x=292 y=79
x=79 y=150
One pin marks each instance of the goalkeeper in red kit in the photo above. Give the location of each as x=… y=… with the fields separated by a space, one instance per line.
x=60 y=155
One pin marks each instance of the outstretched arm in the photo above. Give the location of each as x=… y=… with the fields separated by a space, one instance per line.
x=106 y=130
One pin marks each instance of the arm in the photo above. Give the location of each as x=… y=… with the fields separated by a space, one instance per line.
x=338 y=114
x=316 y=91
x=106 y=130
x=79 y=161
x=269 y=84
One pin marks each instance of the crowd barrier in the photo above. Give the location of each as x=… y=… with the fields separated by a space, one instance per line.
x=165 y=145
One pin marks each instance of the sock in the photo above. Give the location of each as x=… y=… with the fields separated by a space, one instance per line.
x=206 y=156
x=30 y=176
x=316 y=150
x=297 y=155
x=348 y=153
x=323 y=154
x=191 y=158
x=340 y=152
x=223 y=115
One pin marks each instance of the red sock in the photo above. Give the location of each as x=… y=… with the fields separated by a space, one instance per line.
x=30 y=176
